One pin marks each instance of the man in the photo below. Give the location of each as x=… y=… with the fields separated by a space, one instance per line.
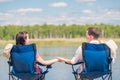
x=92 y=35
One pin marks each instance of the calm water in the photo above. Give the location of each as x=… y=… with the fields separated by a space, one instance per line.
x=59 y=71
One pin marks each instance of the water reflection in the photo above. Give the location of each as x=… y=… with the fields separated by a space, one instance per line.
x=59 y=71
x=53 y=52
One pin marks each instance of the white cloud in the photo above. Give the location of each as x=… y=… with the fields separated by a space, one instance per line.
x=19 y=17
x=104 y=16
x=59 y=4
x=25 y=10
x=60 y=20
x=113 y=12
x=86 y=0
x=5 y=15
x=87 y=11
x=89 y=17
x=90 y=4
x=113 y=15
x=5 y=0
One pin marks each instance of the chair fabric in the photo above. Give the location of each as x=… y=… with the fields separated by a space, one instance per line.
x=95 y=57
x=22 y=60
x=97 y=62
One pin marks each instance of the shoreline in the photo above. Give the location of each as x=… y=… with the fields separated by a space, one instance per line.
x=47 y=42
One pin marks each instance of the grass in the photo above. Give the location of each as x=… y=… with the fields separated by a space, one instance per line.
x=57 y=42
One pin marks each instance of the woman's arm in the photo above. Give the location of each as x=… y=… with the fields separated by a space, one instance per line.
x=47 y=62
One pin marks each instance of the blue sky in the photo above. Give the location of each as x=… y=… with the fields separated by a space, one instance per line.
x=30 y=12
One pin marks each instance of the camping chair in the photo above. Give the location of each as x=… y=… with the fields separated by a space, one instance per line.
x=97 y=61
x=22 y=63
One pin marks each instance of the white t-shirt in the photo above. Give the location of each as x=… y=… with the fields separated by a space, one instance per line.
x=78 y=55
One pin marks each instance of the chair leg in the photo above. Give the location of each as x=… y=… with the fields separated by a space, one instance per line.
x=43 y=77
x=110 y=77
x=86 y=79
x=9 y=76
x=13 y=78
x=77 y=77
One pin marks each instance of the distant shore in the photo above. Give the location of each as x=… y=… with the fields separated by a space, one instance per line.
x=57 y=41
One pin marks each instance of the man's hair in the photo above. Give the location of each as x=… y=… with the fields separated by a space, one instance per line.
x=21 y=38
x=94 y=32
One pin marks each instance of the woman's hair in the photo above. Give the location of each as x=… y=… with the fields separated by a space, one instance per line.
x=21 y=38
x=94 y=32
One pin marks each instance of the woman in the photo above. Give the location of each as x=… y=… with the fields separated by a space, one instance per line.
x=22 y=38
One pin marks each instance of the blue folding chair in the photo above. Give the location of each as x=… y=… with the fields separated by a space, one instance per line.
x=97 y=61
x=22 y=63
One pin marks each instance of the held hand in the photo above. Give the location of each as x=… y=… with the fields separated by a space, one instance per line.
x=60 y=59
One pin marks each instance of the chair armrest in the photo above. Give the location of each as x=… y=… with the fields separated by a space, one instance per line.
x=48 y=66
x=75 y=63
x=9 y=62
x=78 y=63
x=40 y=64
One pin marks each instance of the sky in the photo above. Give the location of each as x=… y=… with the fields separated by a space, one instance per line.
x=30 y=12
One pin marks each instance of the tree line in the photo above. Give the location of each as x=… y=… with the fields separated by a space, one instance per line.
x=8 y=32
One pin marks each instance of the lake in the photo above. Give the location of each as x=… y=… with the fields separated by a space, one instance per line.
x=59 y=71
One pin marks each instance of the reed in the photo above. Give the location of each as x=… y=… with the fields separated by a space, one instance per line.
x=57 y=42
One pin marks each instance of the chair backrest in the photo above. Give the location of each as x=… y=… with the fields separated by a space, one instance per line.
x=96 y=57
x=23 y=58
